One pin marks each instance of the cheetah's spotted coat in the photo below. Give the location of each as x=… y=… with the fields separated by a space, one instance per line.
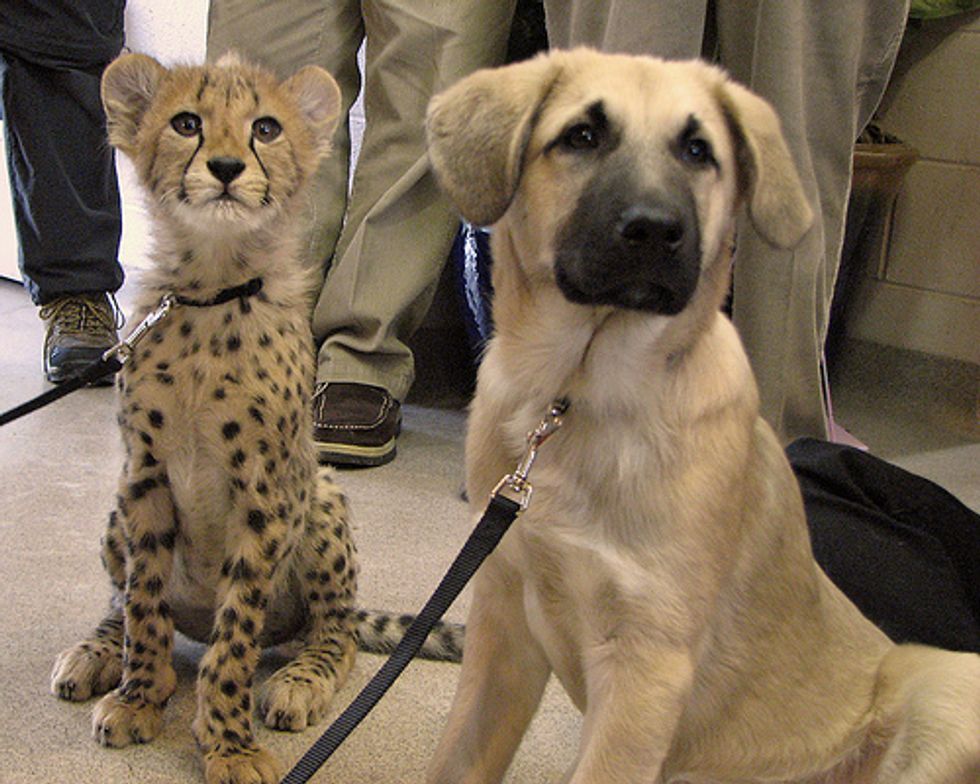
x=224 y=525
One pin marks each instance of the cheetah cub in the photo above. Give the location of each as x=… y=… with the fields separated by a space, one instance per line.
x=224 y=527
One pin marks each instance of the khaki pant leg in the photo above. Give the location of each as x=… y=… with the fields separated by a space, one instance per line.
x=399 y=227
x=284 y=37
x=665 y=28
x=825 y=73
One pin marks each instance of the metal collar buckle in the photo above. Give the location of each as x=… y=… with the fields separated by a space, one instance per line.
x=516 y=487
x=125 y=347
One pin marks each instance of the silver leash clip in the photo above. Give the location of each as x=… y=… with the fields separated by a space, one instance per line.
x=516 y=487
x=125 y=347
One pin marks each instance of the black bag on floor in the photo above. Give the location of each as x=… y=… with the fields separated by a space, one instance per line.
x=904 y=550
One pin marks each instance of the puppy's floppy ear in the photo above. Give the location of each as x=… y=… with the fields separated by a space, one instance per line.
x=767 y=175
x=318 y=97
x=478 y=130
x=128 y=87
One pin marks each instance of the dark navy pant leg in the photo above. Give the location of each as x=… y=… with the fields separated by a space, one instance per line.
x=63 y=178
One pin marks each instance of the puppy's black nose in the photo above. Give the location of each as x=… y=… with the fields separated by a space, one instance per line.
x=653 y=227
x=226 y=168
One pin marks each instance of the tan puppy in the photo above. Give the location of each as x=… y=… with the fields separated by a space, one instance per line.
x=663 y=571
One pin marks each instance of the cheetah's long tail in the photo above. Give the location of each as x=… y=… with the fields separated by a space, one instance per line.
x=380 y=632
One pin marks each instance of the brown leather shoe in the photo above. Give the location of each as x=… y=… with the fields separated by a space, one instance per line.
x=355 y=424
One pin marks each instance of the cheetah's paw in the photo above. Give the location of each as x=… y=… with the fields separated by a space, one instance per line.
x=117 y=722
x=293 y=703
x=256 y=766
x=82 y=671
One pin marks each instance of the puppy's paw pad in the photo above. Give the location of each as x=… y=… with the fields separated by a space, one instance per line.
x=118 y=722
x=256 y=766
x=85 y=670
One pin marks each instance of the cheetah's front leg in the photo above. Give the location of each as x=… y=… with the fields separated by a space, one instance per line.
x=134 y=711
x=300 y=693
x=94 y=665
x=223 y=723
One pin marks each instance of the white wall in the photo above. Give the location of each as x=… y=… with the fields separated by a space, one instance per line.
x=8 y=236
x=171 y=30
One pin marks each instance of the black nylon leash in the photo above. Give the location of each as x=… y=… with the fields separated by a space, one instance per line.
x=500 y=513
x=496 y=520
x=113 y=359
x=101 y=367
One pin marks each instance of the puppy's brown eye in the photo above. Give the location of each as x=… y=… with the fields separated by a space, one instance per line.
x=265 y=129
x=580 y=137
x=697 y=151
x=186 y=124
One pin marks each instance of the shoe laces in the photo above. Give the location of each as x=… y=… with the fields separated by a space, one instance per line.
x=84 y=314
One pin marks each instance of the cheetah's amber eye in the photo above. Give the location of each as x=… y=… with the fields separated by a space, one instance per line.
x=186 y=124
x=266 y=129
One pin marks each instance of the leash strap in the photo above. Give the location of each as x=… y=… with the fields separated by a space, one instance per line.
x=500 y=513
x=98 y=369
x=509 y=499
x=113 y=359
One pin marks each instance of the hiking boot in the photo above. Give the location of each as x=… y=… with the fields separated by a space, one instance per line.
x=79 y=328
x=355 y=424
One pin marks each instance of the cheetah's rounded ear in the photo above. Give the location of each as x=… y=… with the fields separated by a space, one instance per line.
x=128 y=87
x=318 y=97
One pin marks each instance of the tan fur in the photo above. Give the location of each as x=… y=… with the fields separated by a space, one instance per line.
x=663 y=570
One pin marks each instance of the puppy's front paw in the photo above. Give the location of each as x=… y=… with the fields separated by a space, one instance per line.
x=252 y=766
x=288 y=702
x=85 y=670
x=118 y=721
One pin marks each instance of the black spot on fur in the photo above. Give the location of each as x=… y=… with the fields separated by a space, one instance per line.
x=257 y=520
x=148 y=543
x=139 y=489
x=242 y=570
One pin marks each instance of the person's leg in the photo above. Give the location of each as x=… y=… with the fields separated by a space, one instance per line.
x=824 y=73
x=284 y=37
x=63 y=179
x=399 y=228
x=666 y=28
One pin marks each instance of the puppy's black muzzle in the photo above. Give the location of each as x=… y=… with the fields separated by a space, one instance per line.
x=629 y=248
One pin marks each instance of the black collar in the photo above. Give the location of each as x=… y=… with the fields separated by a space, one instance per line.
x=249 y=289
